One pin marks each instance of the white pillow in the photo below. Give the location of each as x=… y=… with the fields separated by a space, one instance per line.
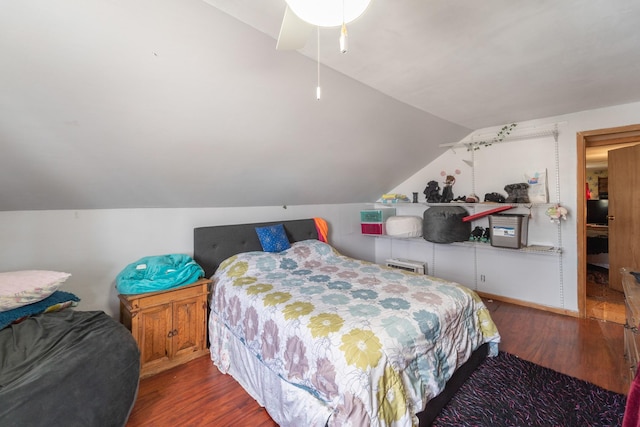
x=18 y=288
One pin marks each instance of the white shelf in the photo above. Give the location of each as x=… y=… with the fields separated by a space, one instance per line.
x=483 y=266
x=494 y=205
x=391 y=205
x=467 y=205
x=532 y=249
x=474 y=140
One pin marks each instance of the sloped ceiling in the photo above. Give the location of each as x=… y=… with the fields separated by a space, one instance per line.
x=175 y=103
x=482 y=63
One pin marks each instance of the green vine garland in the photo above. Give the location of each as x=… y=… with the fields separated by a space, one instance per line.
x=500 y=136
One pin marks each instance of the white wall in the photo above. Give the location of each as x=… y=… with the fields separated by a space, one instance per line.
x=95 y=245
x=505 y=163
x=99 y=115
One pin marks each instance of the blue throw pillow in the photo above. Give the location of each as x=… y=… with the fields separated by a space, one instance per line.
x=273 y=238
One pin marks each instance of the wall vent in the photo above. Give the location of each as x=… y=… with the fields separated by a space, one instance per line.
x=407 y=264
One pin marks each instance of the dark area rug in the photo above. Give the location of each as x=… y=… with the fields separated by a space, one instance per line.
x=508 y=391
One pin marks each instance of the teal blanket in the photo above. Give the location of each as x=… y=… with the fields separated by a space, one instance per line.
x=158 y=273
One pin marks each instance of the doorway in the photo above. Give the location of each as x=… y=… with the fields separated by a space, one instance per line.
x=597 y=297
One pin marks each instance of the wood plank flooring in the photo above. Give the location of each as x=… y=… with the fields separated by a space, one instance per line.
x=605 y=303
x=197 y=394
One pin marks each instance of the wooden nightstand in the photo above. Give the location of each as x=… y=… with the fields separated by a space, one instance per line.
x=169 y=326
x=631 y=333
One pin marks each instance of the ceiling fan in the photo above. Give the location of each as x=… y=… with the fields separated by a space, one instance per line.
x=302 y=16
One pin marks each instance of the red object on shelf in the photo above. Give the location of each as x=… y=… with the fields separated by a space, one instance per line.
x=485 y=213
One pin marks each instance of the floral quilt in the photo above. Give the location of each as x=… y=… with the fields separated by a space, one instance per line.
x=373 y=343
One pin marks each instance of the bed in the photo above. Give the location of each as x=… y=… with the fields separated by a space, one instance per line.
x=319 y=339
x=62 y=367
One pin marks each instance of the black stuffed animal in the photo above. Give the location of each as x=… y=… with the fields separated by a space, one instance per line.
x=517 y=193
x=432 y=192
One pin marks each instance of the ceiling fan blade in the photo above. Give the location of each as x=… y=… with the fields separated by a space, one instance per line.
x=294 y=32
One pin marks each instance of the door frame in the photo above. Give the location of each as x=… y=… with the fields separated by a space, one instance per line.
x=592 y=138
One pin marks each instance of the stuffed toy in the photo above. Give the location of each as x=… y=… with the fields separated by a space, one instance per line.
x=556 y=213
x=447 y=192
x=432 y=191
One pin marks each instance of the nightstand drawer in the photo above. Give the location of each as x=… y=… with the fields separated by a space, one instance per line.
x=183 y=292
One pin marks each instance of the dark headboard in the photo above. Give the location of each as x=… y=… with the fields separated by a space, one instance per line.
x=212 y=245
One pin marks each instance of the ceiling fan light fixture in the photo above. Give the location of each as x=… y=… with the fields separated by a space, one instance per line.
x=344 y=39
x=328 y=13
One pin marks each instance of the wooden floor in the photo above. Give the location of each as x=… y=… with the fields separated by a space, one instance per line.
x=605 y=303
x=196 y=394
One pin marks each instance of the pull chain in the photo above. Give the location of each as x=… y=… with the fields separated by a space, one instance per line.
x=344 y=37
